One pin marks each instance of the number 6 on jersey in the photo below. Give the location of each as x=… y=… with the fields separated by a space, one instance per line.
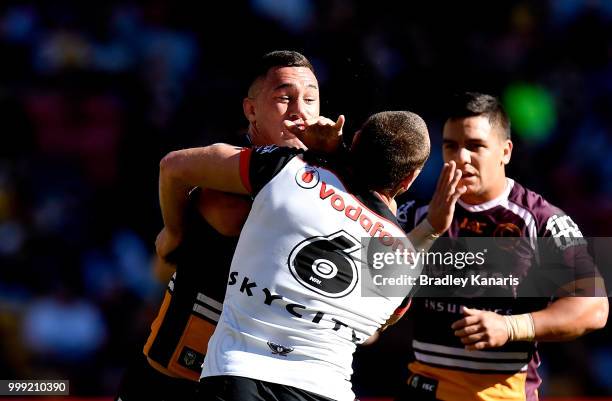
x=324 y=264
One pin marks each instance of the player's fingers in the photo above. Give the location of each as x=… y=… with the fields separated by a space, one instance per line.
x=340 y=123
x=289 y=125
x=456 y=178
x=452 y=167
x=441 y=179
x=315 y=121
x=449 y=176
x=477 y=346
x=452 y=187
x=458 y=193
x=466 y=321
x=468 y=330
x=327 y=122
x=472 y=338
x=471 y=311
x=294 y=127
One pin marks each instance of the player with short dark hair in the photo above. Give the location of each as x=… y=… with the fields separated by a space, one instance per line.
x=283 y=88
x=375 y=165
x=484 y=347
x=473 y=104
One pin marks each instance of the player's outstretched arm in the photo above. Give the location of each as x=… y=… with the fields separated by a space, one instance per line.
x=216 y=167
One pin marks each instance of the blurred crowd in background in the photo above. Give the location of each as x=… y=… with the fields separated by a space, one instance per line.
x=92 y=97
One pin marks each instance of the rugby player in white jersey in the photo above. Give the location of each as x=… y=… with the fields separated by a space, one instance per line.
x=294 y=310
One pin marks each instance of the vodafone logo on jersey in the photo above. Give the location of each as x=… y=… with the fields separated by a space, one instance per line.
x=370 y=223
x=307 y=177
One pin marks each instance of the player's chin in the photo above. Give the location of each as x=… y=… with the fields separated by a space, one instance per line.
x=468 y=181
x=470 y=185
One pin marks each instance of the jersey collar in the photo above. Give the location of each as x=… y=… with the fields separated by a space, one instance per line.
x=493 y=202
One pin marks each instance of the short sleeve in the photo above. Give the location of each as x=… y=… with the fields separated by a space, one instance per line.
x=260 y=165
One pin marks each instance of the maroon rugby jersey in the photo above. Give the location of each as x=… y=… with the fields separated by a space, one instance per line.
x=508 y=372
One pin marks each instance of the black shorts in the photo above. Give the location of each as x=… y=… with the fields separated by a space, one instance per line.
x=143 y=382
x=236 y=388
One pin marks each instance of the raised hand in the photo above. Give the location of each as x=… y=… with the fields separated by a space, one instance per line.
x=442 y=205
x=319 y=134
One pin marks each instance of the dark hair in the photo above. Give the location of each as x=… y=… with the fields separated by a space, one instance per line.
x=278 y=58
x=472 y=104
x=390 y=146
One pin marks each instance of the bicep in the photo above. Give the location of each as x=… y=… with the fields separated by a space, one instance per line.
x=570 y=317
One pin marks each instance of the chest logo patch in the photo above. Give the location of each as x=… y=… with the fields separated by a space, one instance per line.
x=307 y=177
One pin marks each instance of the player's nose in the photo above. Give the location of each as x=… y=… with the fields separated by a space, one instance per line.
x=462 y=156
x=297 y=111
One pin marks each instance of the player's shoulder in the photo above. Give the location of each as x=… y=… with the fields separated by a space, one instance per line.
x=264 y=163
x=548 y=217
x=532 y=201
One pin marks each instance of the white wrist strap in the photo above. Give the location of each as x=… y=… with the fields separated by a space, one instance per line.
x=423 y=236
x=520 y=327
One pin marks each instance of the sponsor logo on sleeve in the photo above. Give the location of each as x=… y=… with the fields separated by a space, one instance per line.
x=565 y=232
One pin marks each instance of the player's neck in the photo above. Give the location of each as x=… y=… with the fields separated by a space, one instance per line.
x=388 y=200
x=253 y=137
x=256 y=138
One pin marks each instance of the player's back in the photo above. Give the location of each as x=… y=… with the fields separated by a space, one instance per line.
x=293 y=310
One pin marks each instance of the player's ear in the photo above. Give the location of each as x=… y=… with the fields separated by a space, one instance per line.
x=507 y=149
x=355 y=138
x=248 y=107
x=410 y=178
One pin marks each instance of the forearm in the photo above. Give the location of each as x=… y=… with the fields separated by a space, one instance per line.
x=422 y=236
x=563 y=320
x=162 y=270
x=173 y=198
x=569 y=318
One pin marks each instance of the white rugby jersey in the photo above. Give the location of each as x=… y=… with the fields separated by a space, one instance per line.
x=293 y=311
